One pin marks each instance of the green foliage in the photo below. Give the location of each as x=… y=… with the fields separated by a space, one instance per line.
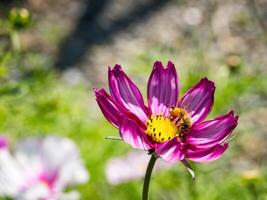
x=40 y=104
x=35 y=101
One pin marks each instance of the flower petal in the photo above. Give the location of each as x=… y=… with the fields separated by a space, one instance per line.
x=36 y=191
x=67 y=160
x=162 y=89
x=171 y=151
x=198 y=100
x=207 y=154
x=212 y=132
x=125 y=92
x=3 y=143
x=12 y=176
x=37 y=158
x=132 y=134
x=109 y=108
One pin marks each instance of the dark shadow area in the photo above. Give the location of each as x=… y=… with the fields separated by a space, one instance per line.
x=89 y=31
x=5 y=6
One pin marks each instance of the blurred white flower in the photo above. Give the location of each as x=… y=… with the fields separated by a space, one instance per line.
x=130 y=167
x=40 y=169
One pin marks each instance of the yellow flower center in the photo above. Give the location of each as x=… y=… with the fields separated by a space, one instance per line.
x=162 y=129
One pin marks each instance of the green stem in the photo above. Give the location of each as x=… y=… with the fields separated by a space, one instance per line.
x=15 y=40
x=147 y=176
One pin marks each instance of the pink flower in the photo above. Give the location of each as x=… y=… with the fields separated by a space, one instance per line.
x=3 y=142
x=172 y=129
x=41 y=168
x=129 y=167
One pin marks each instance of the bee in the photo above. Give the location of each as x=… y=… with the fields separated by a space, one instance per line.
x=185 y=125
x=177 y=112
x=182 y=120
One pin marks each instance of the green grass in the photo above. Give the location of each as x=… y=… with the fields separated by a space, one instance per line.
x=36 y=102
x=42 y=104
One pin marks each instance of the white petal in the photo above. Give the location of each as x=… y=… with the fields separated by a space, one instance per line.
x=11 y=175
x=66 y=160
x=38 y=191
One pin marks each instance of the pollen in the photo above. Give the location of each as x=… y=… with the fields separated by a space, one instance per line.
x=162 y=129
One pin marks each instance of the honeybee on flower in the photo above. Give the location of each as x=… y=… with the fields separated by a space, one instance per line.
x=170 y=127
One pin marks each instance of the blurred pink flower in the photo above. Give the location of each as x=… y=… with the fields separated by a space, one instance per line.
x=3 y=142
x=41 y=169
x=172 y=129
x=130 y=167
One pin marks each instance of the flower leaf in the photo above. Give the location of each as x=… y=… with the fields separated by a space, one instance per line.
x=189 y=168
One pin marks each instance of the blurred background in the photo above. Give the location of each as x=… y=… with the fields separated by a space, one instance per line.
x=52 y=53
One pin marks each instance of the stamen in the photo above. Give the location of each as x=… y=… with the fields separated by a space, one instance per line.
x=162 y=129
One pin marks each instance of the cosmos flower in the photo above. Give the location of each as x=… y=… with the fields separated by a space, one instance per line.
x=40 y=169
x=171 y=128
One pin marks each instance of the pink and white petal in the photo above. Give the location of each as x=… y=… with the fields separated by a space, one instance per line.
x=162 y=88
x=65 y=167
x=3 y=143
x=28 y=155
x=198 y=100
x=109 y=108
x=171 y=151
x=12 y=176
x=207 y=154
x=37 y=158
x=212 y=132
x=126 y=93
x=132 y=134
x=37 y=191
